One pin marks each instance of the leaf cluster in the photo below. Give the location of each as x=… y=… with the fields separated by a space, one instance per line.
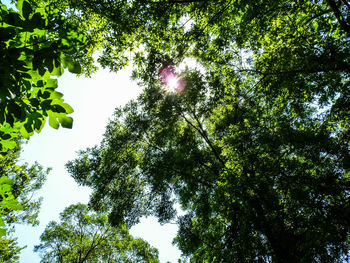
x=19 y=204
x=34 y=49
x=86 y=236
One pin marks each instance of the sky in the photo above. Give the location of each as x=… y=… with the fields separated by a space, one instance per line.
x=94 y=100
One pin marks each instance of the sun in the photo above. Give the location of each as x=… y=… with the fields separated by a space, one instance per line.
x=171 y=80
x=172 y=83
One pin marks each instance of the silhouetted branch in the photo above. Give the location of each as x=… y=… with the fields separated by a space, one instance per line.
x=339 y=16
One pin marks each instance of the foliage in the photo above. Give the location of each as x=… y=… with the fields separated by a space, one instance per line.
x=9 y=251
x=26 y=181
x=34 y=49
x=21 y=206
x=86 y=236
x=256 y=147
x=8 y=202
x=257 y=184
x=88 y=23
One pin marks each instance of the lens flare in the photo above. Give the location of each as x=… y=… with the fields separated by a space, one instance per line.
x=171 y=80
x=173 y=83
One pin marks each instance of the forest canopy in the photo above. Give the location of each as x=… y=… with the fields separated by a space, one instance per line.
x=254 y=145
x=253 y=139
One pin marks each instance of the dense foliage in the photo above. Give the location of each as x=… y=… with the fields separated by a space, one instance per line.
x=255 y=148
x=34 y=48
x=84 y=236
x=254 y=143
x=22 y=205
x=9 y=250
x=26 y=181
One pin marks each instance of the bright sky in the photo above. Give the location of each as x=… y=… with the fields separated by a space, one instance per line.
x=94 y=100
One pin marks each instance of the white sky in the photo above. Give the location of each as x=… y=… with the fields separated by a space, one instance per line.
x=94 y=100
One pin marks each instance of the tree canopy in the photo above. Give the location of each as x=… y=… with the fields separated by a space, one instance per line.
x=19 y=205
x=254 y=143
x=26 y=180
x=83 y=236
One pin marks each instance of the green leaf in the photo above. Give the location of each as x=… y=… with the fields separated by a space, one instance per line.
x=15 y=109
x=25 y=133
x=34 y=102
x=48 y=62
x=46 y=104
x=56 y=95
x=58 y=108
x=6 y=180
x=38 y=125
x=66 y=122
x=53 y=121
x=37 y=22
x=57 y=71
x=74 y=67
x=68 y=108
x=14 y=19
x=51 y=83
x=45 y=95
x=19 y=4
x=66 y=60
x=28 y=127
x=26 y=9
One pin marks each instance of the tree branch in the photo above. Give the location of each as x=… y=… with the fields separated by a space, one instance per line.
x=93 y=246
x=205 y=137
x=339 y=16
x=341 y=66
x=318 y=15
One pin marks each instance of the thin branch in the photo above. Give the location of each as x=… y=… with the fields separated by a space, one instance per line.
x=205 y=137
x=339 y=16
x=341 y=66
x=92 y=246
x=318 y=15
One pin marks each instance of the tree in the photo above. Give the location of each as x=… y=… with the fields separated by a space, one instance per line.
x=256 y=146
x=258 y=185
x=25 y=181
x=34 y=48
x=294 y=52
x=86 y=236
x=9 y=250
